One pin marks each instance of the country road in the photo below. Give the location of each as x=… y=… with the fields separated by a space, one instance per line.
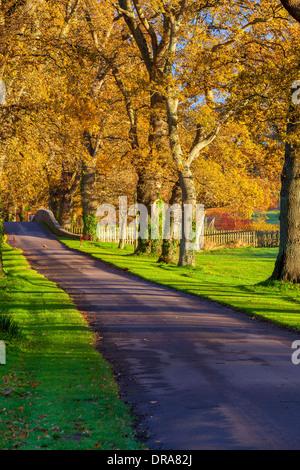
x=199 y=375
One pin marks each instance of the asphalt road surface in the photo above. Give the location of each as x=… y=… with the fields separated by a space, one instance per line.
x=198 y=375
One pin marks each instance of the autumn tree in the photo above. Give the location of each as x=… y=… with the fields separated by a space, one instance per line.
x=287 y=267
x=15 y=17
x=71 y=121
x=90 y=40
x=180 y=91
x=238 y=171
x=43 y=74
x=151 y=161
x=191 y=51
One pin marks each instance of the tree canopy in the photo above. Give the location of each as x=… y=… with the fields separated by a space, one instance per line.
x=140 y=97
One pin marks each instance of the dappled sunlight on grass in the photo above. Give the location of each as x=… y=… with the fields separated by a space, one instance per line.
x=56 y=391
x=232 y=277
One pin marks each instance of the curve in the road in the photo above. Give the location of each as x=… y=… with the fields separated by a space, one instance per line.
x=200 y=376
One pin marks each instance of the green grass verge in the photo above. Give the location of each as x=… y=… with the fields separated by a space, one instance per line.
x=56 y=390
x=233 y=278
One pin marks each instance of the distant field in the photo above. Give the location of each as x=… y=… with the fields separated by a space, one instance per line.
x=272 y=217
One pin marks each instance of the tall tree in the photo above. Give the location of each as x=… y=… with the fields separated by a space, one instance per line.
x=287 y=266
x=152 y=48
x=191 y=51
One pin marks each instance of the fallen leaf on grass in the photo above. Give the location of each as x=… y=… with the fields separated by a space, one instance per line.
x=35 y=384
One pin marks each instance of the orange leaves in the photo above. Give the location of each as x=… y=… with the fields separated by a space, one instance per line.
x=34 y=384
x=90 y=73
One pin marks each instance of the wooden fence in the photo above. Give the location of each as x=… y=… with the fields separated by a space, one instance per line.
x=111 y=234
x=252 y=238
x=218 y=237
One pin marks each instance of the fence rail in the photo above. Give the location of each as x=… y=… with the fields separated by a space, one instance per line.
x=219 y=237
x=268 y=239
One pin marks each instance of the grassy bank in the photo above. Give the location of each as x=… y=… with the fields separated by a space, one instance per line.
x=56 y=391
x=231 y=277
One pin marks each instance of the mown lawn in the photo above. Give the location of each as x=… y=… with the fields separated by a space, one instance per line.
x=233 y=277
x=56 y=391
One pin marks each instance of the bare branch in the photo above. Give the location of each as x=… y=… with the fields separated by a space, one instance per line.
x=200 y=143
x=293 y=7
x=216 y=47
x=125 y=7
x=149 y=28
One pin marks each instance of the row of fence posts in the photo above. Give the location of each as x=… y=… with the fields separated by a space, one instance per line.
x=253 y=238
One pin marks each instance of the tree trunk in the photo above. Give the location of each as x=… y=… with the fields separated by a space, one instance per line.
x=148 y=192
x=187 y=254
x=170 y=245
x=69 y=184
x=65 y=209
x=293 y=7
x=54 y=202
x=287 y=266
x=149 y=171
x=158 y=136
x=121 y=244
x=122 y=223
x=21 y=212
x=150 y=175
x=89 y=199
